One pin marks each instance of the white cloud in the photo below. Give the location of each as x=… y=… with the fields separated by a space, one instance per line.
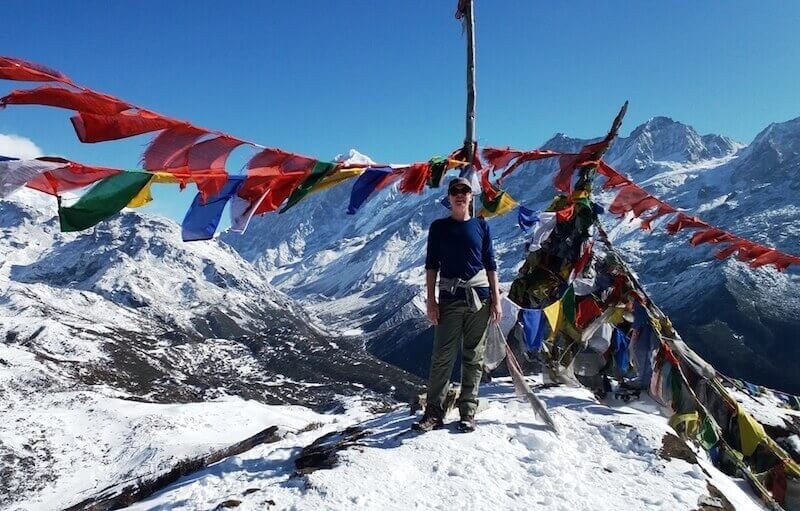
x=18 y=147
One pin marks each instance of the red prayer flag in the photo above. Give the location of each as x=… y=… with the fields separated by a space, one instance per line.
x=626 y=198
x=663 y=209
x=71 y=176
x=711 y=235
x=499 y=158
x=683 y=221
x=170 y=149
x=414 y=178
x=92 y=128
x=82 y=101
x=588 y=311
x=20 y=70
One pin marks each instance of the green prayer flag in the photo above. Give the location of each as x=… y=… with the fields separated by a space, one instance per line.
x=707 y=436
x=319 y=172
x=102 y=201
x=438 y=168
x=569 y=305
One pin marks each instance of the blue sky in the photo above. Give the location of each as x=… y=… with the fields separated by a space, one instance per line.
x=387 y=78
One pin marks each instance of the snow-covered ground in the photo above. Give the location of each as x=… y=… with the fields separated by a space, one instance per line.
x=86 y=441
x=607 y=457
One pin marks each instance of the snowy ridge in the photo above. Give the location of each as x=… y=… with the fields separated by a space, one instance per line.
x=608 y=458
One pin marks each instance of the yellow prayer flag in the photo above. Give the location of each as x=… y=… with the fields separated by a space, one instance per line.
x=554 y=314
x=143 y=197
x=751 y=433
x=506 y=204
x=340 y=176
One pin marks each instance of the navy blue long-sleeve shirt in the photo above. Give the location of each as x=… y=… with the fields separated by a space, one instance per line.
x=460 y=250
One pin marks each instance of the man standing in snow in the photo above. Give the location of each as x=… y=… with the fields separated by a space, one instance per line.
x=460 y=248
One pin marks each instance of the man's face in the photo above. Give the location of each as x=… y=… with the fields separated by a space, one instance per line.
x=460 y=196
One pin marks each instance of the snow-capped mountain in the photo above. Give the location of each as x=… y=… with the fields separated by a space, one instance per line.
x=112 y=327
x=364 y=272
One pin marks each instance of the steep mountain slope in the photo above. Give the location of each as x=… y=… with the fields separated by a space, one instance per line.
x=128 y=312
x=741 y=320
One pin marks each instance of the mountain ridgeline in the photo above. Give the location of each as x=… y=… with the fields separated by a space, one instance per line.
x=364 y=272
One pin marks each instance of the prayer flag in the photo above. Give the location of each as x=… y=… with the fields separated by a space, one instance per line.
x=14 y=174
x=751 y=432
x=78 y=100
x=542 y=230
x=201 y=221
x=526 y=218
x=319 y=171
x=501 y=205
x=68 y=176
x=373 y=179
x=620 y=344
x=242 y=211
x=554 y=315
x=533 y=329
x=102 y=201
x=92 y=128
x=414 y=177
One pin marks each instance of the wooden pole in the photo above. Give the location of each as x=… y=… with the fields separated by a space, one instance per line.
x=469 y=140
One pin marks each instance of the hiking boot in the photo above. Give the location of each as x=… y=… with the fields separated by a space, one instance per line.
x=467 y=423
x=431 y=419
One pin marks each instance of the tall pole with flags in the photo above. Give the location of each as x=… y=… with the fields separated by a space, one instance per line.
x=466 y=13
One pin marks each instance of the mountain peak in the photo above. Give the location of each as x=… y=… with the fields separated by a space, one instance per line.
x=665 y=139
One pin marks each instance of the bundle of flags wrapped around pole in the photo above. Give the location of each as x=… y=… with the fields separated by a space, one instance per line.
x=577 y=306
x=575 y=300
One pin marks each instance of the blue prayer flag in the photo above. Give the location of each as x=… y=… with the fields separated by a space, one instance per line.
x=533 y=328
x=526 y=218
x=365 y=185
x=202 y=220
x=620 y=343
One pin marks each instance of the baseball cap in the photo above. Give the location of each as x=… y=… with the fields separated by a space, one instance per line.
x=459 y=181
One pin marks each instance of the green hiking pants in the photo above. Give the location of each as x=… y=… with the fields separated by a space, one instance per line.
x=457 y=322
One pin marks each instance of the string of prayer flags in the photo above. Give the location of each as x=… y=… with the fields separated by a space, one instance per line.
x=102 y=201
x=202 y=219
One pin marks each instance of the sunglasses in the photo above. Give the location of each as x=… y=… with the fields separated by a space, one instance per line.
x=460 y=190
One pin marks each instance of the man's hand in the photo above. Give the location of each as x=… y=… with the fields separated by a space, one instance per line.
x=497 y=310
x=433 y=311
